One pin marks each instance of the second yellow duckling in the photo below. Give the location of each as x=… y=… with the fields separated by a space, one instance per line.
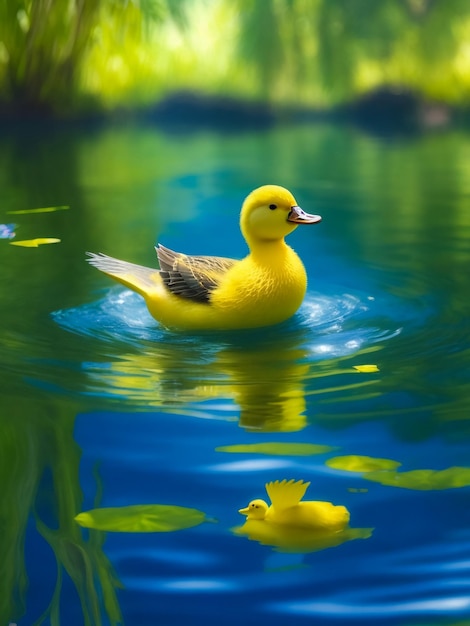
x=288 y=509
x=215 y=293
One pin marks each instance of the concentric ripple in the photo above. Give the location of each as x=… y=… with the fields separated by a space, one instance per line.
x=330 y=325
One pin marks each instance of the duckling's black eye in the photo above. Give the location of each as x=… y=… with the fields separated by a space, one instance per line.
x=273 y=206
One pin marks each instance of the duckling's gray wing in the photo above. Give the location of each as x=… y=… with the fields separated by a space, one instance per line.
x=191 y=277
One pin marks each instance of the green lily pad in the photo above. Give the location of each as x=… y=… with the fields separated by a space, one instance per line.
x=141 y=518
x=277 y=449
x=358 y=463
x=424 y=479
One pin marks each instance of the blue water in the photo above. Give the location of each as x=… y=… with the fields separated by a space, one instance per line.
x=104 y=408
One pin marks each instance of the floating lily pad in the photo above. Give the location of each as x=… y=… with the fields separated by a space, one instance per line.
x=277 y=449
x=141 y=518
x=366 y=369
x=46 y=209
x=424 y=479
x=34 y=243
x=358 y=463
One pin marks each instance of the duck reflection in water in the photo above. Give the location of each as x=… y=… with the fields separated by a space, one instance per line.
x=268 y=386
x=292 y=525
x=266 y=383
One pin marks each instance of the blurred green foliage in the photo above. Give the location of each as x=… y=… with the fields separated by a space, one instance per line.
x=106 y=53
x=45 y=45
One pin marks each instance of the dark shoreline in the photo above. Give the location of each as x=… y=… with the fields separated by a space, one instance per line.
x=384 y=112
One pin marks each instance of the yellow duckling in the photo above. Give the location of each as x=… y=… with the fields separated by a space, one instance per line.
x=215 y=293
x=288 y=510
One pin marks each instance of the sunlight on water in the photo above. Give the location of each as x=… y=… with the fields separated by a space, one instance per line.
x=250 y=466
x=383 y=610
x=197 y=585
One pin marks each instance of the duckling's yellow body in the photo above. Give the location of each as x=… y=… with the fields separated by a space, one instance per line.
x=214 y=293
x=287 y=509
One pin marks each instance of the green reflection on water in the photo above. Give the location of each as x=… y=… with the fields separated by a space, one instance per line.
x=39 y=463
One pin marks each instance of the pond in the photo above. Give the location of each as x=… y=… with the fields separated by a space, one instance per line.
x=105 y=409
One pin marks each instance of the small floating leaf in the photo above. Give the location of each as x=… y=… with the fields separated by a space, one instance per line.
x=46 y=209
x=358 y=463
x=7 y=231
x=366 y=369
x=277 y=448
x=424 y=479
x=141 y=518
x=34 y=243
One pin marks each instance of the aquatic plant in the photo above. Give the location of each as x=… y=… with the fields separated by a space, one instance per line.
x=38 y=457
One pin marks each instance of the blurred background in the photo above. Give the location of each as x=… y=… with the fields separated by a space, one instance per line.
x=79 y=58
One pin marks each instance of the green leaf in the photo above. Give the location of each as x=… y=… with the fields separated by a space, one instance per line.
x=359 y=463
x=141 y=518
x=424 y=479
x=277 y=449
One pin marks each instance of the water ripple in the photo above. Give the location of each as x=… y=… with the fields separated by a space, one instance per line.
x=263 y=369
x=384 y=610
x=335 y=325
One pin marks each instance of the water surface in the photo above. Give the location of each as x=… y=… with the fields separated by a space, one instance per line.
x=104 y=408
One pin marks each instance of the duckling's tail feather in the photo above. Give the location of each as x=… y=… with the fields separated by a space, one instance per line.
x=286 y=493
x=137 y=277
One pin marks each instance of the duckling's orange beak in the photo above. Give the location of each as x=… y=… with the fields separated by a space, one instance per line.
x=298 y=216
x=244 y=511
